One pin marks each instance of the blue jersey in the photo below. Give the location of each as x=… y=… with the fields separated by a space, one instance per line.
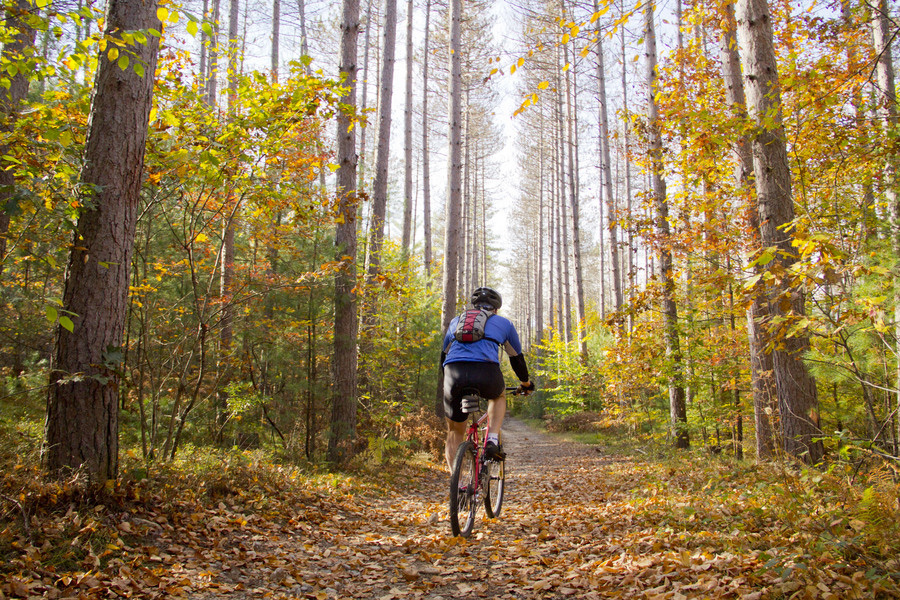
x=499 y=329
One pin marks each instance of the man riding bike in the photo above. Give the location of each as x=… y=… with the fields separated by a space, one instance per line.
x=475 y=365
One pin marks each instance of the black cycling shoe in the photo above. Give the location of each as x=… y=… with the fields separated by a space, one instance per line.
x=494 y=452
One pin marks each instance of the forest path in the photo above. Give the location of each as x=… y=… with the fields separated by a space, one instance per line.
x=567 y=529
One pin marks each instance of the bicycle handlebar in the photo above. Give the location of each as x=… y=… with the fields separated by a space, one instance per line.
x=517 y=391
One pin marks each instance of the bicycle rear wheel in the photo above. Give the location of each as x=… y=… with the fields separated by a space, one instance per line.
x=493 y=493
x=462 y=491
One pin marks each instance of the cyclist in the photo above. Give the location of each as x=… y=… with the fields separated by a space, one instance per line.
x=476 y=365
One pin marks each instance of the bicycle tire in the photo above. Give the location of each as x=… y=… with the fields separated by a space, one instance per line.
x=493 y=491
x=462 y=491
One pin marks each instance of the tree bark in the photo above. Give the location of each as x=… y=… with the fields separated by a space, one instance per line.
x=379 y=191
x=364 y=103
x=408 y=134
x=426 y=163
x=632 y=250
x=797 y=397
x=82 y=407
x=343 y=414
x=761 y=367
x=606 y=173
x=276 y=34
x=677 y=403
x=212 y=71
x=572 y=128
x=454 y=177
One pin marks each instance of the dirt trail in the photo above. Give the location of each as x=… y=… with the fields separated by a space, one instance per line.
x=566 y=530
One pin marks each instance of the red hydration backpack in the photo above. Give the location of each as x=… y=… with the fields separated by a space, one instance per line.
x=470 y=327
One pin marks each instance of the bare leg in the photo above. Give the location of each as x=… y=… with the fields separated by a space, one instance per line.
x=456 y=433
x=496 y=413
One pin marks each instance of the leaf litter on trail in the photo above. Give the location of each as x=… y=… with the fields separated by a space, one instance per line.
x=574 y=524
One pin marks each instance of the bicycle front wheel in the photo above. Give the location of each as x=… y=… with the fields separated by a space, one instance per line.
x=462 y=491
x=493 y=493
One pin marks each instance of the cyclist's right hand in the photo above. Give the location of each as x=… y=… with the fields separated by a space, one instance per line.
x=525 y=388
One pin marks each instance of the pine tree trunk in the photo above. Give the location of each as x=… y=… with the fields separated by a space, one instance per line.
x=426 y=164
x=606 y=184
x=382 y=161
x=363 y=151
x=343 y=414
x=212 y=71
x=408 y=133
x=632 y=250
x=677 y=404
x=796 y=390
x=572 y=127
x=276 y=35
x=82 y=424
x=454 y=178
x=539 y=273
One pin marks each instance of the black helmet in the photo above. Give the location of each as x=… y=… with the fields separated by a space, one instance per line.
x=485 y=295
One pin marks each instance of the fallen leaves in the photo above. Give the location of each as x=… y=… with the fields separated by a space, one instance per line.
x=575 y=524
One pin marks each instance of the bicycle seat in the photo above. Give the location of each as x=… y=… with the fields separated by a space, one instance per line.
x=471 y=400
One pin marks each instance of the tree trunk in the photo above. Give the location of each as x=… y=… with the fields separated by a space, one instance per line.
x=539 y=274
x=82 y=410
x=887 y=110
x=379 y=192
x=226 y=333
x=408 y=134
x=364 y=104
x=426 y=164
x=343 y=415
x=304 y=38
x=572 y=127
x=212 y=71
x=276 y=34
x=761 y=367
x=454 y=177
x=797 y=397
x=677 y=404
x=606 y=173
x=632 y=250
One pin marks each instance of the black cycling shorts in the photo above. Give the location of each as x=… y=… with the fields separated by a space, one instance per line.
x=463 y=377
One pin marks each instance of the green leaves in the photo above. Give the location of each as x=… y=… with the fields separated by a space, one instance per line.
x=53 y=316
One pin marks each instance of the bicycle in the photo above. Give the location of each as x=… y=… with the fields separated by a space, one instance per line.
x=473 y=473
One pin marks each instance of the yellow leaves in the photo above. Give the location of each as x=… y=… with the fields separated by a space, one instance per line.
x=599 y=14
x=543 y=85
